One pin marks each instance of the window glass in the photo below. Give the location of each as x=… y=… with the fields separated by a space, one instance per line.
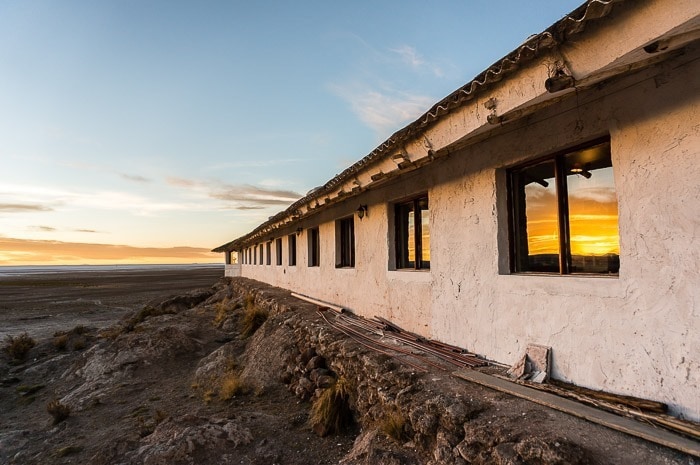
x=314 y=247
x=537 y=187
x=345 y=242
x=412 y=222
x=292 y=246
x=425 y=231
x=593 y=218
x=278 y=251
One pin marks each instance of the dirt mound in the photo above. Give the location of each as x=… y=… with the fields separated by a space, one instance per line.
x=178 y=383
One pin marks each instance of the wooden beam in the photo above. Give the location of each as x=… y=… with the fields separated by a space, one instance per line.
x=610 y=420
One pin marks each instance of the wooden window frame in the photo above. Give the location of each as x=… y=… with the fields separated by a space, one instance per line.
x=292 y=250
x=278 y=251
x=345 y=242
x=314 y=247
x=562 y=198
x=401 y=237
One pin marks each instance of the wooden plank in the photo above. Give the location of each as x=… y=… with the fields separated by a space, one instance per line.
x=610 y=420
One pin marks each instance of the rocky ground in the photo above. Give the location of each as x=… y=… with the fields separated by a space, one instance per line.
x=193 y=380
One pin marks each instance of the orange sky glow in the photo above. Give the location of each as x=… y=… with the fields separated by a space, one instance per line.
x=37 y=252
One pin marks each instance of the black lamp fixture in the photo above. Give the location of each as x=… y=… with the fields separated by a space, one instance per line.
x=299 y=230
x=582 y=171
x=361 y=211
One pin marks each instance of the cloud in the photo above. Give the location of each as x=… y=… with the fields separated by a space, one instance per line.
x=86 y=231
x=181 y=182
x=23 y=207
x=384 y=110
x=20 y=251
x=44 y=228
x=134 y=177
x=243 y=197
x=410 y=56
x=254 y=195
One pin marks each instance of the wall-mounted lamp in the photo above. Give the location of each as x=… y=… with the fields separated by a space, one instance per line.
x=361 y=211
x=299 y=230
x=582 y=171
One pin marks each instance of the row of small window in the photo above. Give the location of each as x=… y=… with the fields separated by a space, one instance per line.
x=562 y=212
x=412 y=241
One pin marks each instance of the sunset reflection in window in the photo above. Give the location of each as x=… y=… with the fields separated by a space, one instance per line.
x=570 y=226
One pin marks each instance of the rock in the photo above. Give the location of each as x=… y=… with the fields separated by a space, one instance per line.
x=190 y=439
x=315 y=362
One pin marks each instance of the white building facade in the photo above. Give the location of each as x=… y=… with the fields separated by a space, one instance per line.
x=553 y=200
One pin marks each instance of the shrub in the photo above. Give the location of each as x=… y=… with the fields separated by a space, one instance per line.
x=393 y=425
x=60 y=341
x=18 y=346
x=231 y=385
x=224 y=309
x=253 y=318
x=58 y=411
x=208 y=396
x=79 y=329
x=331 y=412
x=79 y=343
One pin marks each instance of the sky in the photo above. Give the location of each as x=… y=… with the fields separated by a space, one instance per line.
x=139 y=131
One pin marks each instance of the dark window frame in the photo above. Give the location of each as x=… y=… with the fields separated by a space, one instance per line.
x=314 y=247
x=292 y=249
x=516 y=207
x=262 y=257
x=278 y=251
x=402 y=234
x=268 y=253
x=345 y=242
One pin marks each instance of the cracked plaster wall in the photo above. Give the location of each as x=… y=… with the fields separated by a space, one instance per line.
x=633 y=334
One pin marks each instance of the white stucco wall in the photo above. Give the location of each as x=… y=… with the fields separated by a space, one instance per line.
x=634 y=334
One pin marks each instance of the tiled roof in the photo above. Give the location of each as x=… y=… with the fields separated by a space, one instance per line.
x=558 y=33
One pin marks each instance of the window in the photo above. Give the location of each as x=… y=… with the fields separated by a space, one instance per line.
x=268 y=252
x=250 y=255
x=314 y=247
x=563 y=214
x=261 y=254
x=345 y=243
x=278 y=251
x=292 y=247
x=412 y=222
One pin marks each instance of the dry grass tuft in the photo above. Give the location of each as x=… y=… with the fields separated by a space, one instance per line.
x=331 y=412
x=60 y=341
x=208 y=396
x=58 y=411
x=75 y=337
x=231 y=386
x=79 y=343
x=224 y=309
x=18 y=346
x=253 y=318
x=393 y=425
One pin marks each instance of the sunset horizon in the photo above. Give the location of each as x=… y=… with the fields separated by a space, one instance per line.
x=28 y=252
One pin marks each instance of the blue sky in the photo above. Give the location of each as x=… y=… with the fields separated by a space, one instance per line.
x=154 y=124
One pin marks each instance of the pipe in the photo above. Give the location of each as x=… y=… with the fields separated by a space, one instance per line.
x=320 y=303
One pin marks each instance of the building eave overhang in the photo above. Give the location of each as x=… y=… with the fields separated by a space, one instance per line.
x=550 y=65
